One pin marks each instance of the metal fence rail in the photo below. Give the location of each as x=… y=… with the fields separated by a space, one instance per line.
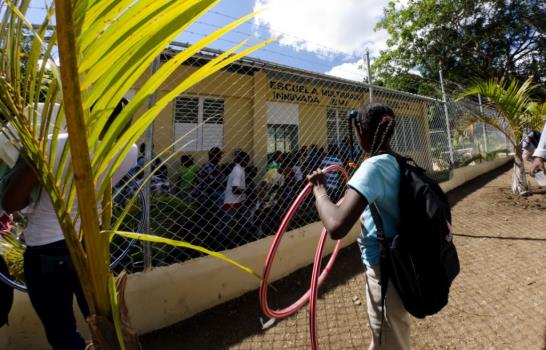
x=288 y=122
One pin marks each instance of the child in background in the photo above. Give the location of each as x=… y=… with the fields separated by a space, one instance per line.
x=270 y=201
x=333 y=179
x=250 y=230
x=234 y=196
x=276 y=160
x=529 y=145
x=187 y=175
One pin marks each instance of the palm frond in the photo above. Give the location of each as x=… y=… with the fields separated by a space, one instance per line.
x=105 y=47
x=510 y=99
x=536 y=115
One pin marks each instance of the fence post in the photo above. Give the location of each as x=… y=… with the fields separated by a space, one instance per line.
x=507 y=144
x=147 y=248
x=370 y=87
x=451 y=158
x=483 y=125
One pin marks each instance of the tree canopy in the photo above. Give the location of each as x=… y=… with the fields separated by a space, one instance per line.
x=470 y=39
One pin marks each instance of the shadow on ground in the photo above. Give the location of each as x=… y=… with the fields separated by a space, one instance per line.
x=238 y=319
x=233 y=321
x=473 y=185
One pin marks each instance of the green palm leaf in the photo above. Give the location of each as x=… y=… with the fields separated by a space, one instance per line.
x=107 y=45
x=511 y=100
x=516 y=112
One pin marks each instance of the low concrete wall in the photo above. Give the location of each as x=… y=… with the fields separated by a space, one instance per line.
x=199 y=284
x=463 y=175
x=167 y=295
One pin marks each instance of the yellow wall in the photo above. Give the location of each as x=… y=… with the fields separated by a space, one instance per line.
x=219 y=84
x=259 y=120
x=164 y=128
x=238 y=127
x=245 y=111
x=312 y=126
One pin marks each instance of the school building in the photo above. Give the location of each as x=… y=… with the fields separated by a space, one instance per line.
x=261 y=107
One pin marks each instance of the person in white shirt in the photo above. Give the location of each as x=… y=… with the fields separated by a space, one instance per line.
x=49 y=273
x=540 y=154
x=236 y=182
x=234 y=196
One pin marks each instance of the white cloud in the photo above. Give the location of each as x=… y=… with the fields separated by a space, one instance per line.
x=52 y=61
x=353 y=71
x=415 y=71
x=324 y=26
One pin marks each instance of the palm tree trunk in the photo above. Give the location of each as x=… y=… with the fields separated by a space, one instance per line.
x=519 y=178
x=101 y=322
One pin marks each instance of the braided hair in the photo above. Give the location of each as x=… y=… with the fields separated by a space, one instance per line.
x=378 y=118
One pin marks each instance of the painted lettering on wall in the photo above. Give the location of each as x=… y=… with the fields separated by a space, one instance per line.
x=300 y=93
x=289 y=92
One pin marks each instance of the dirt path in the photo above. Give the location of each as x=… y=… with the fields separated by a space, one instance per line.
x=497 y=302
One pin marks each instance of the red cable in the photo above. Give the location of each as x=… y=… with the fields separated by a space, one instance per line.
x=315 y=282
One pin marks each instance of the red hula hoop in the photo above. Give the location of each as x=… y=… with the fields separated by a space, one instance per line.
x=287 y=311
x=316 y=282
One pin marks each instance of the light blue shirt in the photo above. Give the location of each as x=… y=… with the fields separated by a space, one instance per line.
x=378 y=180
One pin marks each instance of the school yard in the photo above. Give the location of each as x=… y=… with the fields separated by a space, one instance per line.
x=497 y=302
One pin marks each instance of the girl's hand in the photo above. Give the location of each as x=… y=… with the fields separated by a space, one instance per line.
x=316 y=178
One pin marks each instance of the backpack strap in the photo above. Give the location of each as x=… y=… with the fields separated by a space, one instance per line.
x=379 y=225
x=383 y=265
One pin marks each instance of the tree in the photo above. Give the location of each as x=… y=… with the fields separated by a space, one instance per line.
x=105 y=46
x=515 y=113
x=469 y=38
x=409 y=82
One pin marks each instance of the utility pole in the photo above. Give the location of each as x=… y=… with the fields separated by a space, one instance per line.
x=370 y=86
x=483 y=125
x=147 y=171
x=447 y=118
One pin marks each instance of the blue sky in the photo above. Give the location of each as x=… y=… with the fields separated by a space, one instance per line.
x=323 y=36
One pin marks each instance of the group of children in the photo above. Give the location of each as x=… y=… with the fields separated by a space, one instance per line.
x=234 y=206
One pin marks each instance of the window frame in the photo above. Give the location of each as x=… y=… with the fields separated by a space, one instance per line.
x=199 y=145
x=293 y=143
x=339 y=114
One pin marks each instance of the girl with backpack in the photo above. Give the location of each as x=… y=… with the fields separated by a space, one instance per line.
x=376 y=181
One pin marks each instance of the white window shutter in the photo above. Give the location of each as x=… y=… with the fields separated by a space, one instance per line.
x=189 y=132
x=282 y=113
x=213 y=136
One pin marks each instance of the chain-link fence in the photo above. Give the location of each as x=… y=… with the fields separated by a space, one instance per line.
x=240 y=143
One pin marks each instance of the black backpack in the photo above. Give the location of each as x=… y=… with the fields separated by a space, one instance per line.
x=421 y=260
x=6 y=294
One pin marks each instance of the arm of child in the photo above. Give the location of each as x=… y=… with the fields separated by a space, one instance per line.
x=17 y=194
x=338 y=220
